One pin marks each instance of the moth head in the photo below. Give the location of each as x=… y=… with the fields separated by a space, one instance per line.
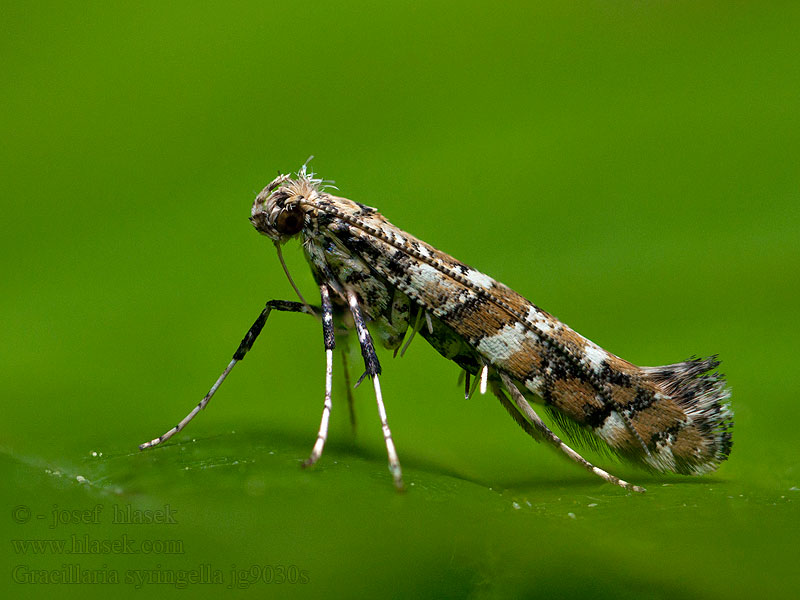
x=281 y=210
x=278 y=211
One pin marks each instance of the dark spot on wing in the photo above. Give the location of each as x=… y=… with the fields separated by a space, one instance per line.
x=365 y=210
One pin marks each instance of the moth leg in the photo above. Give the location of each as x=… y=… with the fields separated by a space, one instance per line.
x=513 y=411
x=473 y=387
x=330 y=343
x=538 y=430
x=247 y=343
x=345 y=349
x=484 y=378
x=463 y=378
x=373 y=369
x=413 y=332
x=470 y=385
x=429 y=322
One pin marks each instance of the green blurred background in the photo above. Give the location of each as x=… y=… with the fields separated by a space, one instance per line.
x=631 y=167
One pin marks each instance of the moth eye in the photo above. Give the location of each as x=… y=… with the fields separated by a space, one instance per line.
x=289 y=221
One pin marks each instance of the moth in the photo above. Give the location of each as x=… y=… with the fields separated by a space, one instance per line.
x=673 y=418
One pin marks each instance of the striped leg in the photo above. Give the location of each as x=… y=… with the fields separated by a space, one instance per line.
x=535 y=427
x=330 y=343
x=247 y=343
x=373 y=369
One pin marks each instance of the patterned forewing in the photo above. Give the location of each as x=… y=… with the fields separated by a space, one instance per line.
x=586 y=384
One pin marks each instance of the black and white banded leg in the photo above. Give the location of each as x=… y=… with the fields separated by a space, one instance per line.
x=330 y=343
x=535 y=427
x=373 y=370
x=244 y=347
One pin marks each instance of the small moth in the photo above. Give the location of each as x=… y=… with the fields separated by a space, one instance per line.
x=672 y=418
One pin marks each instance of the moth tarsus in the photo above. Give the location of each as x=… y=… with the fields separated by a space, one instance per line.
x=241 y=351
x=672 y=418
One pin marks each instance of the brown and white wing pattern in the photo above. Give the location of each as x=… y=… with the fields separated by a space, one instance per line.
x=671 y=418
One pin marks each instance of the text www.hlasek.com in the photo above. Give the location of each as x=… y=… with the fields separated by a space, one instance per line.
x=86 y=544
